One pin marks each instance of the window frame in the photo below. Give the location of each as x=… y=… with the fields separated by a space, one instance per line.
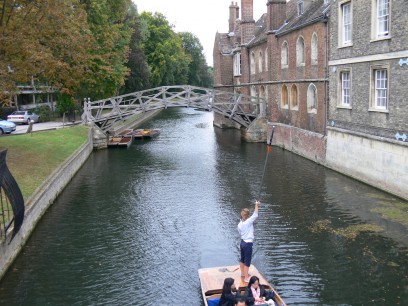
x=253 y=63
x=374 y=90
x=285 y=51
x=340 y=91
x=314 y=51
x=342 y=42
x=260 y=62
x=375 y=24
x=298 y=62
x=292 y=106
x=311 y=110
x=237 y=65
x=266 y=60
x=285 y=104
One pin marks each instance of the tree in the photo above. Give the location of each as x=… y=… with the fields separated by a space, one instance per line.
x=139 y=75
x=198 y=69
x=112 y=27
x=45 y=40
x=165 y=54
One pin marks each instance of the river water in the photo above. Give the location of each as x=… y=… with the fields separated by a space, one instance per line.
x=134 y=225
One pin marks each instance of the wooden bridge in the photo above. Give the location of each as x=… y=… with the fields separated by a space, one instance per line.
x=106 y=113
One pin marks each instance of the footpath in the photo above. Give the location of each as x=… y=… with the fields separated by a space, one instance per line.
x=22 y=128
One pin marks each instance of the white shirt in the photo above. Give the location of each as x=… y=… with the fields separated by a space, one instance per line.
x=246 y=228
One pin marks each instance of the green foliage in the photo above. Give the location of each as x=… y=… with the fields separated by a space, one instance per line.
x=44 y=112
x=165 y=54
x=198 y=69
x=65 y=104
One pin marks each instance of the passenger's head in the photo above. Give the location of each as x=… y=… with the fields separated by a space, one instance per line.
x=228 y=285
x=253 y=282
x=240 y=302
x=244 y=213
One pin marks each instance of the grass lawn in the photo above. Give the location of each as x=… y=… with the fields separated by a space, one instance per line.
x=31 y=158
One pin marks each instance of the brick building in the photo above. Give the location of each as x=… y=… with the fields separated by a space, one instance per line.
x=368 y=126
x=282 y=57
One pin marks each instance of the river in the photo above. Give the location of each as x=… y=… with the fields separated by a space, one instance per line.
x=134 y=225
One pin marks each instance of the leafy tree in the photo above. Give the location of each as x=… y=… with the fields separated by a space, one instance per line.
x=198 y=69
x=139 y=76
x=45 y=40
x=112 y=27
x=165 y=54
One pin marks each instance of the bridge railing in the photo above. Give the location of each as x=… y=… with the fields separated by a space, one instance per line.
x=238 y=107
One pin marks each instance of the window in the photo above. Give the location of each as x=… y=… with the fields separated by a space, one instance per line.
x=311 y=98
x=381 y=18
x=345 y=24
x=300 y=7
x=294 y=97
x=284 y=55
x=284 y=97
x=345 y=88
x=237 y=64
x=260 y=62
x=266 y=59
x=252 y=63
x=379 y=88
x=300 y=51
x=314 y=49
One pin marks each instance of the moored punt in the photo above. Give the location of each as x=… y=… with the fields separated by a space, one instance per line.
x=114 y=141
x=212 y=281
x=145 y=133
x=125 y=141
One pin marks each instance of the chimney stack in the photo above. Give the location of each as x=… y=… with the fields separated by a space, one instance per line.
x=234 y=15
x=247 y=21
x=276 y=14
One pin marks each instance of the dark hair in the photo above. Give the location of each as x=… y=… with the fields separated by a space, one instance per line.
x=228 y=282
x=239 y=300
x=252 y=280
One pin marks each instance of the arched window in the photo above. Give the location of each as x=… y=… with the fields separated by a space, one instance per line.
x=311 y=98
x=300 y=51
x=252 y=63
x=262 y=105
x=284 y=97
x=260 y=63
x=294 y=97
x=314 y=49
x=266 y=59
x=284 y=55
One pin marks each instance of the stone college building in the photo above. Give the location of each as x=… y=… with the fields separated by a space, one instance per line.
x=333 y=74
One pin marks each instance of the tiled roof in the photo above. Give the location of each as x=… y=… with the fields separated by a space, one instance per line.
x=313 y=12
x=260 y=32
x=225 y=45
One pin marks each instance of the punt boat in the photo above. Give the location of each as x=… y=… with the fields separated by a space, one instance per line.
x=212 y=280
x=123 y=139
x=145 y=133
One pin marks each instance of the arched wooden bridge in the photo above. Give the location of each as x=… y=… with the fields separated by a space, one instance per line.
x=106 y=113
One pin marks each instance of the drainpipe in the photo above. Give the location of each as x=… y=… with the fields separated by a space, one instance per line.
x=325 y=21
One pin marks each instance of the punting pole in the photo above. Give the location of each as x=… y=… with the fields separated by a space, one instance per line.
x=266 y=161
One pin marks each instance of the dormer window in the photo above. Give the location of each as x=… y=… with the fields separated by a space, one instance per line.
x=300 y=7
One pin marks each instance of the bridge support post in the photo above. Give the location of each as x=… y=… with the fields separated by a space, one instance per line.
x=257 y=131
x=99 y=138
x=224 y=123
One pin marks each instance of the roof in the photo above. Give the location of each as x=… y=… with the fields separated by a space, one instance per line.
x=260 y=35
x=313 y=13
x=225 y=45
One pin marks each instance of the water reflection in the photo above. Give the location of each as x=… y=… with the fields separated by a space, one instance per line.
x=134 y=226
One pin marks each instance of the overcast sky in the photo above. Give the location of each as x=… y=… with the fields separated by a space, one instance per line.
x=201 y=17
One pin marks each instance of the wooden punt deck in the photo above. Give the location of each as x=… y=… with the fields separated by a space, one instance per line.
x=212 y=280
x=145 y=133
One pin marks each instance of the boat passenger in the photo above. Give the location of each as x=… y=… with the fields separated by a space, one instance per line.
x=240 y=302
x=255 y=294
x=229 y=295
x=246 y=230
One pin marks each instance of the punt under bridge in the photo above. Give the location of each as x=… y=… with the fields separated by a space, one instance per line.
x=107 y=113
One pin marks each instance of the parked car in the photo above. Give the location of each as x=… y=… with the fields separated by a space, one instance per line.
x=6 y=127
x=23 y=117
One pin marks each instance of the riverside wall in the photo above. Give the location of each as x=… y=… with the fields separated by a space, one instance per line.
x=41 y=200
x=377 y=161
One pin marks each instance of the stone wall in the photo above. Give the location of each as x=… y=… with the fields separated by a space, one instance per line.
x=374 y=160
x=41 y=200
x=302 y=142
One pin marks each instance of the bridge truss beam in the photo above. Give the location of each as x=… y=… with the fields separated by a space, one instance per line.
x=107 y=113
